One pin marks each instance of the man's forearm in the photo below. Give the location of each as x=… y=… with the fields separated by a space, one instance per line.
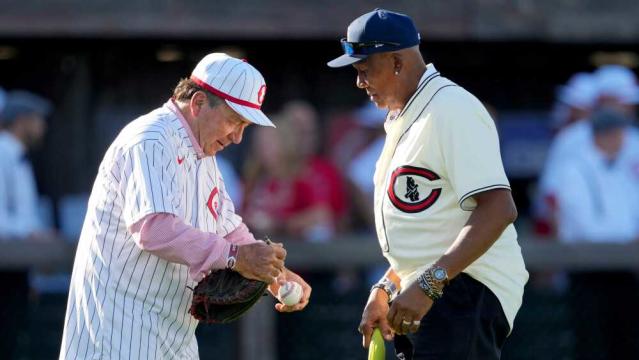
x=169 y=238
x=495 y=211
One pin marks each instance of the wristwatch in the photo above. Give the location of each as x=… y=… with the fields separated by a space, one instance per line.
x=432 y=282
x=439 y=274
x=388 y=286
x=231 y=259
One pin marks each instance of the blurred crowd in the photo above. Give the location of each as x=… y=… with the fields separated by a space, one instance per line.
x=588 y=188
x=589 y=193
x=311 y=178
x=305 y=182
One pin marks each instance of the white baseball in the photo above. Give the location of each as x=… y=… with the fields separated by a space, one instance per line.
x=290 y=293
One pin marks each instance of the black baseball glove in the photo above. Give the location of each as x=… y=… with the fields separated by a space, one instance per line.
x=223 y=296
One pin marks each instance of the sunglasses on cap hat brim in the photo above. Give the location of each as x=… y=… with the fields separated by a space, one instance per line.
x=357 y=51
x=364 y=48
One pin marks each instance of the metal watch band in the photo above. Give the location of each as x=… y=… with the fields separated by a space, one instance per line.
x=388 y=286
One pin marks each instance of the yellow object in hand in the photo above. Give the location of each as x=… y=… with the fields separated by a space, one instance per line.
x=377 y=348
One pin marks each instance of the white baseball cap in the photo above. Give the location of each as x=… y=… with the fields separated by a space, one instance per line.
x=619 y=82
x=581 y=91
x=237 y=82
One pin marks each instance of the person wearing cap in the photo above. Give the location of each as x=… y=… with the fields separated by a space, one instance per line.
x=599 y=203
x=160 y=219
x=23 y=126
x=610 y=86
x=443 y=207
x=575 y=102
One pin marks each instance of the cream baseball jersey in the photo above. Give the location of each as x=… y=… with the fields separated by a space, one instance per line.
x=124 y=302
x=442 y=149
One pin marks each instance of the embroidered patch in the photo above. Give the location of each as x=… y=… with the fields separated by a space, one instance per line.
x=408 y=189
x=213 y=202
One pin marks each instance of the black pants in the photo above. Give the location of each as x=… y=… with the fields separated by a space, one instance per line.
x=466 y=323
x=14 y=299
x=605 y=315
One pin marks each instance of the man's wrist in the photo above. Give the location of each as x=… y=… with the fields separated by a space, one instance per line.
x=387 y=286
x=231 y=258
x=432 y=282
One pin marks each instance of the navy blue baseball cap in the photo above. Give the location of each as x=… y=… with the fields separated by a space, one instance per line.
x=375 y=32
x=21 y=102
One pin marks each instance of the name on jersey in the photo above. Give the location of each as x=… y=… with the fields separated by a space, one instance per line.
x=409 y=189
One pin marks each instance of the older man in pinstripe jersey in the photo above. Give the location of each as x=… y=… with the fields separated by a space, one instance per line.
x=160 y=219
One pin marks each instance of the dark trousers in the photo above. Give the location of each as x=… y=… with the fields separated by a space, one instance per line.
x=14 y=298
x=466 y=323
x=605 y=315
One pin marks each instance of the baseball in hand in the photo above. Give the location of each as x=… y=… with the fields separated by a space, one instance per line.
x=290 y=293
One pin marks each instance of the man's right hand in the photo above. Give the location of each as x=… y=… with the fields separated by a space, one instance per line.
x=261 y=261
x=374 y=316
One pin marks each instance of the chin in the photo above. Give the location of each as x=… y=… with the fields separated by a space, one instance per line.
x=209 y=151
x=380 y=104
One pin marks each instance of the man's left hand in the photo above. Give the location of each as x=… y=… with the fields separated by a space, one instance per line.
x=288 y=275
x=408 y=309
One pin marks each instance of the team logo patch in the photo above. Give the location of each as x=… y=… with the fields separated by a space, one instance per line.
x=408 y=189
x=261 y=94
x=213 y=202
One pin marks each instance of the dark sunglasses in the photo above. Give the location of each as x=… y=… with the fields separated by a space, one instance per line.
x=360 y=48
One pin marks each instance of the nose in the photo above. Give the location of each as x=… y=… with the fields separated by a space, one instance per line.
x=361 y=82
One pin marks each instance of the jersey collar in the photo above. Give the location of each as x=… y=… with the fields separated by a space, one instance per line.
x=392 y=115
x=172 y=106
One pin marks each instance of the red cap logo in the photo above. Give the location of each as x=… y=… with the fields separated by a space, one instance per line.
x=261 y=94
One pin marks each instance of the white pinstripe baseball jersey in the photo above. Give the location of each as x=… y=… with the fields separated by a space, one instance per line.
x=125 y=303
x=441 y=150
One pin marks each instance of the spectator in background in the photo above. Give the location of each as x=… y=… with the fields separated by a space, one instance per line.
x=362 y=168
x=24 y=125
x=575 y=101
x=615 y=87
x=3 y=101
x=23 y=120
x=324 y=178
x=599 y=203
x=279 y=196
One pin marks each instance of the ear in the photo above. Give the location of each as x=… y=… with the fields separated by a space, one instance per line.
x=397 y=61
x=198 y=100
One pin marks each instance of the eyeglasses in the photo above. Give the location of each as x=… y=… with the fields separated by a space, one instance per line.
x=360 y=48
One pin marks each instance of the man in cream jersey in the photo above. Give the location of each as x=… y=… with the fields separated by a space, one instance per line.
x=443 y=207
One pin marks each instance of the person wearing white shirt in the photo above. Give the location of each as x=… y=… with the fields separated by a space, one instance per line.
x=599 y=202
x=23 y=121
x=611 y=86
x=443 y=209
